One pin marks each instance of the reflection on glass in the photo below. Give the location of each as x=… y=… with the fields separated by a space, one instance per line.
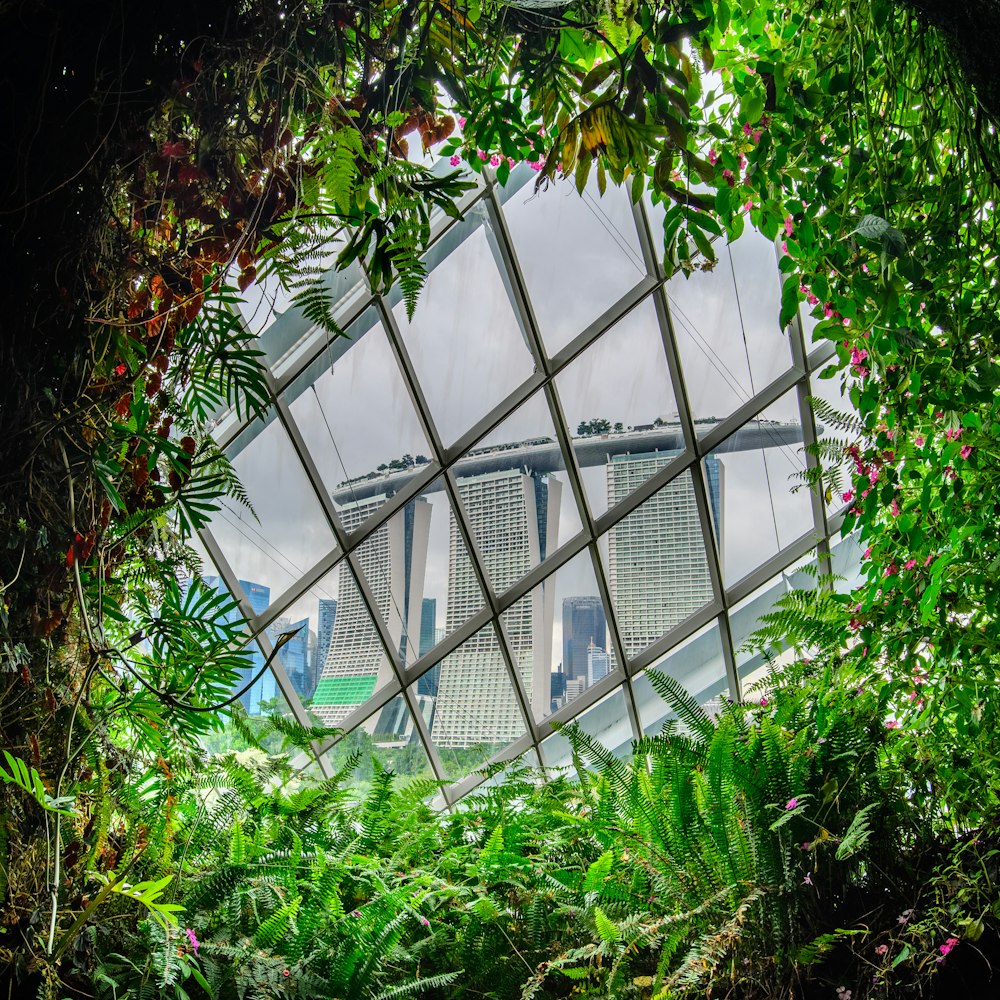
x=760 y=466
x=285 y=533
x=607 y=722
x=558 y=636
x=697 y=663
x=517 y=494
x=656 y=561
x=618 y=400
x=476 y=711
x=578 y=255
x=465 y=341
x=356 y=417
x=725 y=322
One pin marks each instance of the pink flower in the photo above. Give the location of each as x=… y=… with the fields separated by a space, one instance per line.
x=461 y=122
x=788 y=225
x=483 y=155
x=510 y=162
x=749 y=205
x=868 y=553
x=763 y=703
x=120 y=370
x=873 y=475
x=495 y=160
x=425 y=921
x=808 y=879
x=747 y=128
x=455 y=160
x=965 y=451
x=191 y=937
x=828 y=310
x=727 y=176
x=757 y=134
x=947 y=947
x=285 y=972
x=891 y=570
x=847 y=496
x=536 y=164
x=713 y=157
x=751 y=70
x=951 y=435
x=791 y=804
x=909 y=564
x=919 y=441
x=894 y=507
x=882 y=949
x=784 y=247
x=811 y=299
x=858 y=354
x=894 y=724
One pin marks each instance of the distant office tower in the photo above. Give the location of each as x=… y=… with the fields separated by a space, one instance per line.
x=393 y=560
x=294 y=655
x=658 y=569
x=583 y=623
x=598 y=664
x=427 y=684
x=265 y=687
x=327 y=616
x=515 y=517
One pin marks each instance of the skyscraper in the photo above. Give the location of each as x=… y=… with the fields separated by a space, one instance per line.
x=327 y=616
x=393 y=560
x=265 y=687
x=583 y=623
x=294 y=655
x=428 y=683
x=657 y=565
x=598 y=664
x=515 y=517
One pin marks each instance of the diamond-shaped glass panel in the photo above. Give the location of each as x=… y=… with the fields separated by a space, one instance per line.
x=420 y=573
x=607 y=722
x=745 y=616
x=273 y=544
x=697 y=663
x=558 y=636
x=618 y=401
x=357 y=419
x=517 y=495
x=725 y=323
x=751 y=477
x=656 y=564
x=578 y=255
x=476 y=710
x=467 y=347
x=355 y=663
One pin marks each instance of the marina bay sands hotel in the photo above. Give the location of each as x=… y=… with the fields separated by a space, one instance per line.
x=657 y=571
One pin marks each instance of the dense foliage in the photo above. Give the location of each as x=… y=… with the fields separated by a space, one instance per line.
x=834 y=838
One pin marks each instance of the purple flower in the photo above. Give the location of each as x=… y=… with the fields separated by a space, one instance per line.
x=791 y=804
x=455 y=160
x=191 y=937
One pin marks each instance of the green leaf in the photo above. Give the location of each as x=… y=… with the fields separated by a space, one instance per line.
x=606 y=927
x=872 y=227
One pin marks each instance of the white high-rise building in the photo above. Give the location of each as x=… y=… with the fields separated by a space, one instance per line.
x=393 y=560
x=515 y=517
x=657 y=566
